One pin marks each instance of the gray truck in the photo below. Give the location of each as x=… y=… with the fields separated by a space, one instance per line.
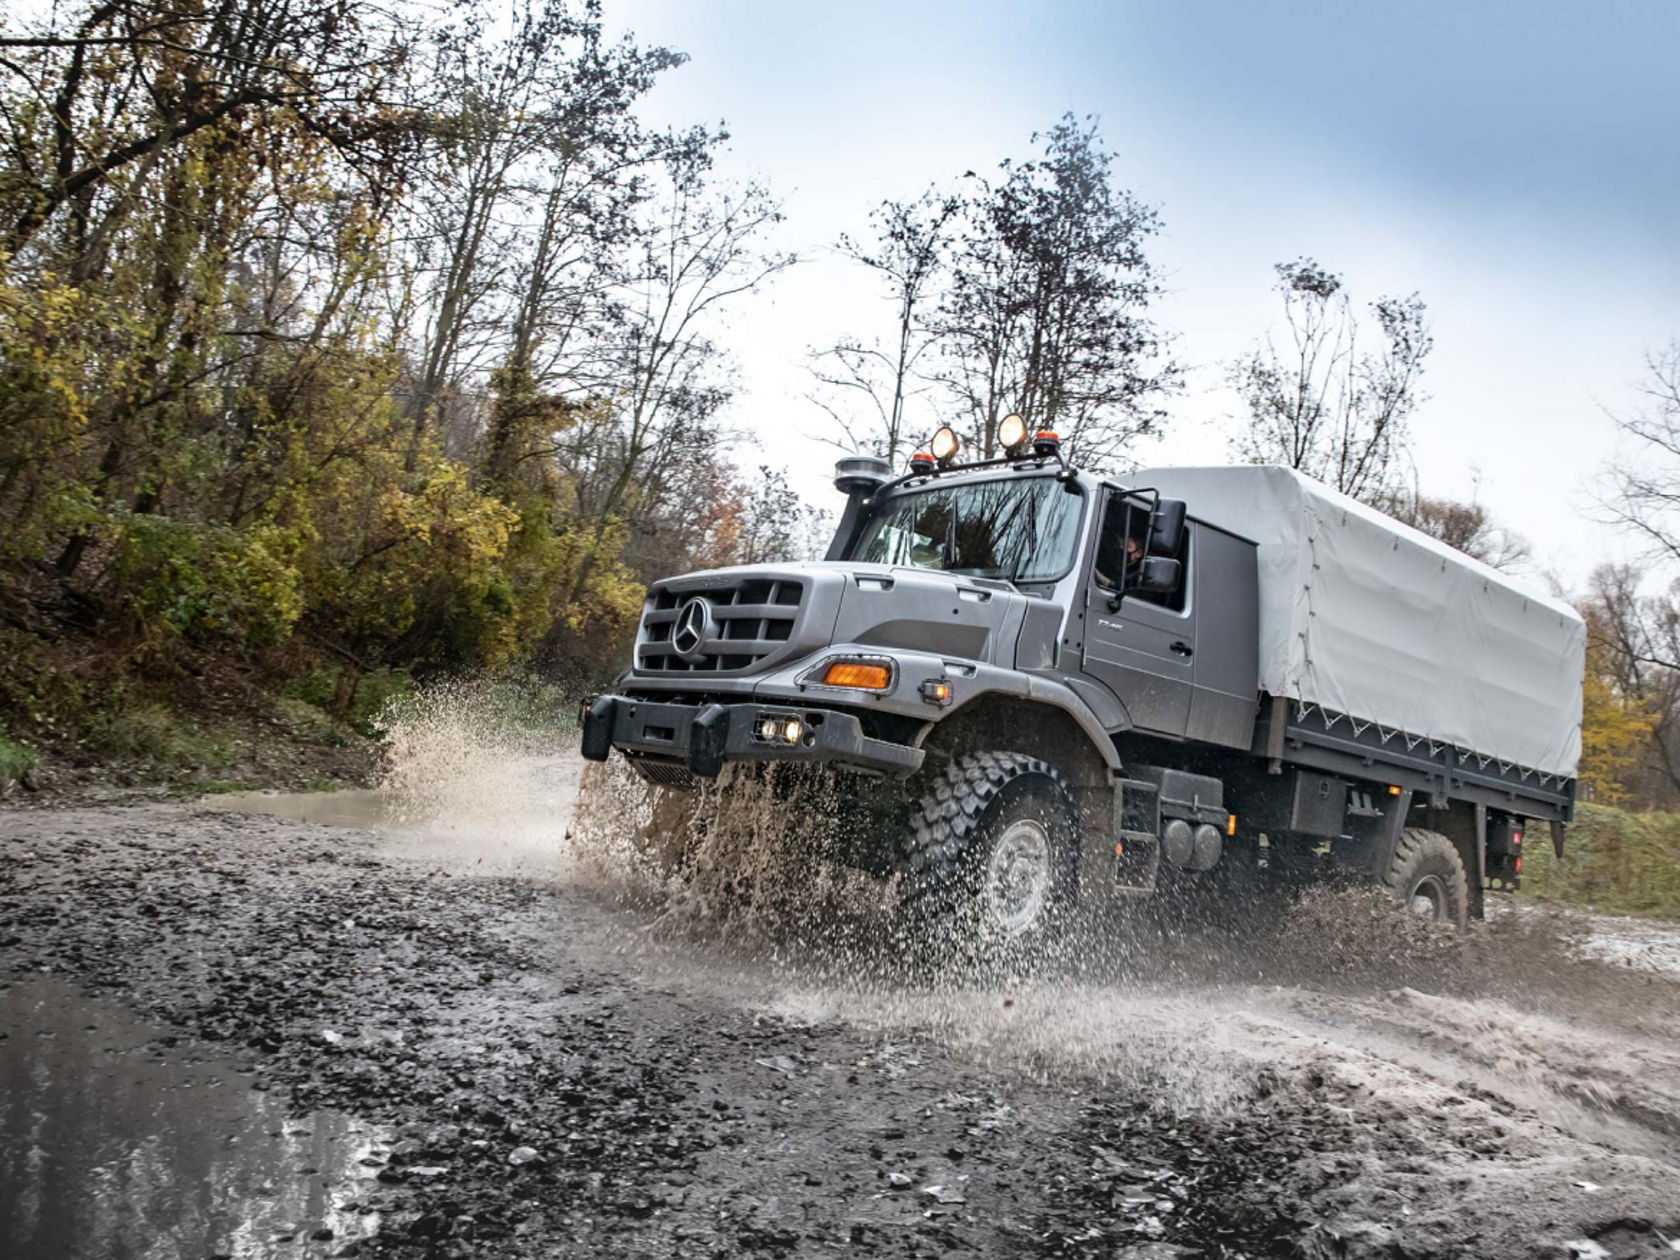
x=1053 y=687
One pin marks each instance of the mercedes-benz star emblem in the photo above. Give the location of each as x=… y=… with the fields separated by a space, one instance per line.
x=689 y=634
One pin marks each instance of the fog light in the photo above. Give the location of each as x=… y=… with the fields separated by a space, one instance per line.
x=936 y=691
x=792 y=729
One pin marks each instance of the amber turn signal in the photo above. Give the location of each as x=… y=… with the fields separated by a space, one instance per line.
x=858 y=674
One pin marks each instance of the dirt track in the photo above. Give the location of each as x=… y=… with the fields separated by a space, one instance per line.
x=536 y=1071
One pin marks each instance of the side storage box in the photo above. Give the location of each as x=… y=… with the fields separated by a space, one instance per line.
x=1319 y=807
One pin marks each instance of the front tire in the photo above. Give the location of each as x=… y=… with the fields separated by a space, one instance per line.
x=1427 y=877
x=991 y=859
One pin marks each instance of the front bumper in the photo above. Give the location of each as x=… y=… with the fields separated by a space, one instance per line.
x=702 y=737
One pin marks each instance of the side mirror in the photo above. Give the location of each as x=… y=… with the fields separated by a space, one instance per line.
x=1166 y=528
x=1159 y=574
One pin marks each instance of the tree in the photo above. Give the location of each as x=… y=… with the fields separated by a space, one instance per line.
x=1641 y=632
x=1617 y=730
x=1464 y=526
x=1322 y=404
x=1046 y=311
x=130 y=81
x=907 y=256
x=528 y=202
x=658 y=362
x=377 y=337
x=1645 y=496
x=1630 y=724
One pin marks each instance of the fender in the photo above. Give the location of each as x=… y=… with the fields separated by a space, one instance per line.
x=1015 y=684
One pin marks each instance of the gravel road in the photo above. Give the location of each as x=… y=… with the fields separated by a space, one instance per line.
x=436 y=1038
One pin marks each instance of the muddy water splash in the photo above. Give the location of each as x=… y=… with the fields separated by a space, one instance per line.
x=476 y=772
x=742 y=857
x=1198 y=1000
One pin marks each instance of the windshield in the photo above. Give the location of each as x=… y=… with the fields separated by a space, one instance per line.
x=1020 y=530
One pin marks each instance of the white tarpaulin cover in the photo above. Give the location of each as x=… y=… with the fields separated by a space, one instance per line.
x=1366 y=617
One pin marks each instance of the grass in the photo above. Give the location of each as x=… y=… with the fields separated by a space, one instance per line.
x=1615 y=861
x=157 y=736
x=309 y=722
x=223 y=787
x=15 y=762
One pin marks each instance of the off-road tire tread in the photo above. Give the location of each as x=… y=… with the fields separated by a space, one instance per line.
x=1416 y=843
x=943 y=824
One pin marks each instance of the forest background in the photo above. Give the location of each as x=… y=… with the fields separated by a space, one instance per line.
x=345 y=347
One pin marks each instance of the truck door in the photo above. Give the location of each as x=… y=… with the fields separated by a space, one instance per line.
x=1142 y=647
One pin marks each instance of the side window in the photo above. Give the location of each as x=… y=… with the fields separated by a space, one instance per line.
x=1121 y=546
x=1111 y=545
x=1173 y=600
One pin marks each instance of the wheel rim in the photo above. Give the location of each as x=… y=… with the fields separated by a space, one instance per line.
x=1018 y=877
x=1428 y=899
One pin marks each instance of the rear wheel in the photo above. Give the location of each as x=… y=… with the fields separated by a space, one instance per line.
x=990 y=858
x=1427 y=877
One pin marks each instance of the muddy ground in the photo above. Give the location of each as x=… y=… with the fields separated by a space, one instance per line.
x=233 y=1033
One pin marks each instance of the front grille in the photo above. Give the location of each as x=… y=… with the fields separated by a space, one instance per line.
x=735 y=628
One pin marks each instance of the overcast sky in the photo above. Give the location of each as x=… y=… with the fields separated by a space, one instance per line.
x=1517 y=164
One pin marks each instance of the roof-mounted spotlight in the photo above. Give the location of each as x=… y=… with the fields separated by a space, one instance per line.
x=944 y=445
x=1012 y=433
x=922 y=462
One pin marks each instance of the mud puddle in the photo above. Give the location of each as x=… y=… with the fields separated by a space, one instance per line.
x=363 y=808
x=117 y=1142
x=499 y=817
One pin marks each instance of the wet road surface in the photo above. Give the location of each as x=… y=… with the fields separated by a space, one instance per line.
x=529 y=1068
x=116 y=1140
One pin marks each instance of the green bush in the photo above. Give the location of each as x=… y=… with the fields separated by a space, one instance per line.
x=207 y=584
x=369 y=693
x=1614 y=860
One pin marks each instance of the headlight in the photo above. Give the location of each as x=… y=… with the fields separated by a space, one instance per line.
x=1011 y=432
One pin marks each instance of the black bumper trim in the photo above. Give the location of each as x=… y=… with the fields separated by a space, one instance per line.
x=704 y=737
